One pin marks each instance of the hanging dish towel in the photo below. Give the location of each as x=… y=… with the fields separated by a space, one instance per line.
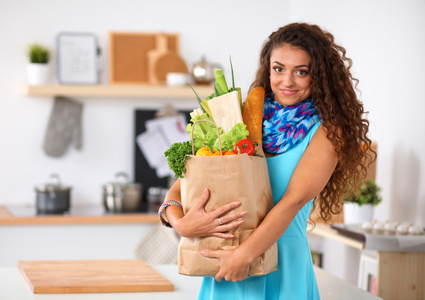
x=64 y=127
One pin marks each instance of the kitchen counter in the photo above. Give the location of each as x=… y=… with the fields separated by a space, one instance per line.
x=14 y=287
x=400 y=273
x=26 y=215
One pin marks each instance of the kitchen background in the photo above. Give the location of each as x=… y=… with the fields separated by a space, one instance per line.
x=385 y=39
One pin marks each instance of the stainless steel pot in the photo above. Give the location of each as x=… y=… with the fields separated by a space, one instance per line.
x=122 y=195
x=155 y=197
x=203 y=71
x=53 y=197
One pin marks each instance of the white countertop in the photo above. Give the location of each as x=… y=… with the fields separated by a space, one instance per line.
x=14 y=287
x=382 y=241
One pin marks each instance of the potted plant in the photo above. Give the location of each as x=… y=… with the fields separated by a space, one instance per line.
x=37 y=70
x=359 y=206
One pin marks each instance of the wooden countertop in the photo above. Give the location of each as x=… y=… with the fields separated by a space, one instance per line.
x=186 y=287
x=7 y=218
x=326 y=231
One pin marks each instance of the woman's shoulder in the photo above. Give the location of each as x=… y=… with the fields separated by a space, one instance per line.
x=320 y=140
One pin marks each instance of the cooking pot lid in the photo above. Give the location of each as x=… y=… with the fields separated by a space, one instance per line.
x=122 y=180
x=51 y=187
x=54 y=185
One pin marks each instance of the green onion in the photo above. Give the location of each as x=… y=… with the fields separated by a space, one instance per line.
x=197 y=97
x=233 y=77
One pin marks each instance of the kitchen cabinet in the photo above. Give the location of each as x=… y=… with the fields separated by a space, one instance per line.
x=400 y=275
x=119 y=91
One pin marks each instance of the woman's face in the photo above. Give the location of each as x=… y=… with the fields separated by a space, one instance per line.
x=290 y=79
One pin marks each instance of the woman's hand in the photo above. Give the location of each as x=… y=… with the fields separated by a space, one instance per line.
x=234 y=265
x=198 y=223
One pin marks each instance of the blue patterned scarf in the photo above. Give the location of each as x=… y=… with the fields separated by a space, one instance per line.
x=284 y=127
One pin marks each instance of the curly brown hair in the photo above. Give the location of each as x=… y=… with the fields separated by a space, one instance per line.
x=333 y=92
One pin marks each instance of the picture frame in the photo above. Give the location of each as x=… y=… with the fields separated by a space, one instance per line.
x=317 y=258
x=368 y=273
x=77 y=58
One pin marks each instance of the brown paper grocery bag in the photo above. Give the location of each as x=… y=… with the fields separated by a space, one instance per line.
x=229 y=178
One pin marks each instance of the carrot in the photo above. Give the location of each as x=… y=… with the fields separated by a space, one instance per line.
x=252 y=113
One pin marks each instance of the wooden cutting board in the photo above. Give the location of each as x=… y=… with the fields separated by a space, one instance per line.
x=163 y=61
x=129 y=55
x=169 y=63
x=92 y=276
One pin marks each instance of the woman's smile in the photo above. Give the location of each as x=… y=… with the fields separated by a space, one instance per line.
x=288 y=92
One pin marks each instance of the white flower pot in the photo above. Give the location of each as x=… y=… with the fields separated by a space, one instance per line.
x=38 y=74
x=358 y=214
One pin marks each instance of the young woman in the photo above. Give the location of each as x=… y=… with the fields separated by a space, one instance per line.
x=314 y=137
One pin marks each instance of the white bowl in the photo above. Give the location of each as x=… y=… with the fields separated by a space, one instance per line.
x=176 y=79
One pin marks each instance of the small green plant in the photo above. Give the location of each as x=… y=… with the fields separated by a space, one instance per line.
x=367 y=193
x=38 y=54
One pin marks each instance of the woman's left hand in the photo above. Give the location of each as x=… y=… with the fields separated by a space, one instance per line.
x=233 y=265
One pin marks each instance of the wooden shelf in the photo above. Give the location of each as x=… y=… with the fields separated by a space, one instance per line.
x=117 y=91
x=7 y=218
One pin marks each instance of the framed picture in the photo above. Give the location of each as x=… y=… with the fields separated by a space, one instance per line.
x=367 y=273
x=77 y=58
x=317 y=258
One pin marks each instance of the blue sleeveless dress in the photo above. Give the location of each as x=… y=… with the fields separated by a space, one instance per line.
x=295 y=277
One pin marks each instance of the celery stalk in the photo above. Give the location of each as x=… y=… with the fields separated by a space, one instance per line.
x=218 y=90
x=221 y=81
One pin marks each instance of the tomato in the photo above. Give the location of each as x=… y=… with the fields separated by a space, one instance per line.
x=244 y=146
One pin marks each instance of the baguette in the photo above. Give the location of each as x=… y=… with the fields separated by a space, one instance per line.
x=252 y=113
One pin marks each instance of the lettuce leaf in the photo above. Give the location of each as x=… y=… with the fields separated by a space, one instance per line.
x=204 y=134
x=228 y=139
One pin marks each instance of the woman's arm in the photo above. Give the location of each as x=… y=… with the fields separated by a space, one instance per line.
x=309 y=178
x=197 y=222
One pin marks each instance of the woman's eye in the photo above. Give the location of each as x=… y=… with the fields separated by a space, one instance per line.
x=301 y=72
x=278 y=69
